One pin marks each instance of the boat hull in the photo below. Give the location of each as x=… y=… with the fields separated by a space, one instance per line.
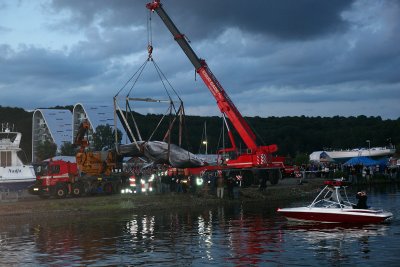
x=360 y=153
x=344 y=155
x=335 y=215
x=16 y=185
x=17 y=177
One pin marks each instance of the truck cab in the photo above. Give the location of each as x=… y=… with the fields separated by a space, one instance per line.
x=55 y=178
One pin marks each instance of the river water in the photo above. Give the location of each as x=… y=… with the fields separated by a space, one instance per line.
x=227 y=235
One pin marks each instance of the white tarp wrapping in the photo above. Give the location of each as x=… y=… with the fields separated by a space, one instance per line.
x=158 y=152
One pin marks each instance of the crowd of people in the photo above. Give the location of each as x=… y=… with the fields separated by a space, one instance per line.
x=157 y=179
x=358 y=173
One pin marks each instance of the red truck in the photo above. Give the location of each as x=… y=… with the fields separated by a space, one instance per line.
x=60 y=178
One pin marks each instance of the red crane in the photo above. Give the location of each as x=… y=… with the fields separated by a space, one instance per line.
x=255 y=155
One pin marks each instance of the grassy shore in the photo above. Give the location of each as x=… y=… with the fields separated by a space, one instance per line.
x=287 y=190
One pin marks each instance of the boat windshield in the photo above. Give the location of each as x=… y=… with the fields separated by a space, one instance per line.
x=332 y=197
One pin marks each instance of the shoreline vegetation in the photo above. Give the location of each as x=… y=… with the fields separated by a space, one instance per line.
x=277 y=130
x=287 y=191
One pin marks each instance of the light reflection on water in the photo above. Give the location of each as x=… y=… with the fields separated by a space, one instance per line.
x=225 y=235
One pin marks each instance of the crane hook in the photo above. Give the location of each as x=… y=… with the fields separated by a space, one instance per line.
x=150 y=51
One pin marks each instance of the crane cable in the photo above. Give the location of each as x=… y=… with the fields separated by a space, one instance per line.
x=140 y=70
x=165 y=82
x=162 y=77
x=260 y=138
x=149 y=34
x=160 y=74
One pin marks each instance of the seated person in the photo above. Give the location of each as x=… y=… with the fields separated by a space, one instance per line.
x=362 y=201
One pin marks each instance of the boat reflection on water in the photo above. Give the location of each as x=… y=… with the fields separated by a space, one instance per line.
x=336 y=242
x=335 y=231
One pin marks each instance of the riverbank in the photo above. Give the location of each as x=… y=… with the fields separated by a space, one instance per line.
x=287 y=190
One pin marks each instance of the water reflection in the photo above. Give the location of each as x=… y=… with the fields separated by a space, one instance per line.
x=141 y=227
x=336 y=243
x=233 y=235
x=16 y=252
x=217 y=235
x=75 y=240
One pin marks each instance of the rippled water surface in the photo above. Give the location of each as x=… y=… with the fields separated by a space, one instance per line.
x=228 y=235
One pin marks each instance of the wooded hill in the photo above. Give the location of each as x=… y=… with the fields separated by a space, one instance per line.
x=293 y=135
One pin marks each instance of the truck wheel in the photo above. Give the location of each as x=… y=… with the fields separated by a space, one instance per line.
x=77 y=190
x=108 y=189
x=248 y=178
x=274 y=176
x=61 y=191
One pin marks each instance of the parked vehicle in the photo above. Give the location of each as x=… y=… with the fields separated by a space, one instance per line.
x=61 y=178
x=94 y=172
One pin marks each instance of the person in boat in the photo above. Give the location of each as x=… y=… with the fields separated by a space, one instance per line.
x=362 y=200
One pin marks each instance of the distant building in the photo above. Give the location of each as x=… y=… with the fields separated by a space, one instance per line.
x=96 y=115
x=60 y=125
x=54 y=125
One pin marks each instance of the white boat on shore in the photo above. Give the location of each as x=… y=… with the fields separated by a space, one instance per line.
x=14 y=174
x=343 y=155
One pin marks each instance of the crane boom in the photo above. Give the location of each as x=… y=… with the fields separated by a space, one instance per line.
x=224 y=102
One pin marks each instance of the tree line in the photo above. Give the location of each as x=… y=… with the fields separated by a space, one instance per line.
x=293 y=135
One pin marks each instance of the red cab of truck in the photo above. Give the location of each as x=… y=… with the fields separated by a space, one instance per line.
x=53 y=178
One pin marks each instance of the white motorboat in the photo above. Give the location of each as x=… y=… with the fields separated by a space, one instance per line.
x=333 y=206
x=14 y=175
x=345 y=154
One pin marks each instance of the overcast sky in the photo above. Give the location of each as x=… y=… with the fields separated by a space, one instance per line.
x=274 y=58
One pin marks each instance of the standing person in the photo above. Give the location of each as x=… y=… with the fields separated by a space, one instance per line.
x=172 y=184
x=139 y=178
x=193 y=184
x=157 y=183
x=213 y=181
x=235 y=190
x=363 y=174
x=179 y=188
x=230 y=186
x=368 y=174
x=353 y=174
x=220 y=185
x=263 y=182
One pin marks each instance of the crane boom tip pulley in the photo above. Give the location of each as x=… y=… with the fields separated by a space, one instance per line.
x=153 y=5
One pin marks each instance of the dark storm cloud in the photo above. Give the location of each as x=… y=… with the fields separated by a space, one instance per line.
x=281 y=63
x=44 y=66
x=272 y=57
x=285 y=19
